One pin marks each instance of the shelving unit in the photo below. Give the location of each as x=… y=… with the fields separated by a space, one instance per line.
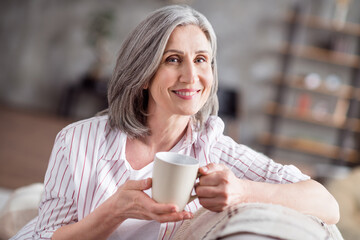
x=322 y=55
x=319 y=23
x=310 y=147
x=343 y=91
x=282 y=111
x=344 y=118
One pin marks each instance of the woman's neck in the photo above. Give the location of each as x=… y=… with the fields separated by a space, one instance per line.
x=165 y=134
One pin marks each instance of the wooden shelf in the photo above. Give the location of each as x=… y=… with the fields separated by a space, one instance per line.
x=297 y=82
x=309 y=147
x=325 y=24
x=275 y=109
x=322 y=55
x=327 y=120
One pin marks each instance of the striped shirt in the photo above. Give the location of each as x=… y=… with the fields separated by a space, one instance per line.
x=88 y=164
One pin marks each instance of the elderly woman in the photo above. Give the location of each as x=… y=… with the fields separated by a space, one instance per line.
x=162 y=97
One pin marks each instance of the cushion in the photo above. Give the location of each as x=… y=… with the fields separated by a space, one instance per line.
x=20 y=208
x=256 y=221
x=347 y=193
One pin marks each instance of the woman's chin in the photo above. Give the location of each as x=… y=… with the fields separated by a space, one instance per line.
x=188 y=112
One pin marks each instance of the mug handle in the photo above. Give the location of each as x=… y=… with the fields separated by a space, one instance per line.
x=193 y=197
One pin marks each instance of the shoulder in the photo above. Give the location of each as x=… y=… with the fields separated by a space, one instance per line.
x=87 y=122
x=94 y=133
x=213 y=129
x=96 y=125
x=225 y=146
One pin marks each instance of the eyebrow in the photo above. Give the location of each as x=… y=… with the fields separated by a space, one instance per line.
x=181 y=52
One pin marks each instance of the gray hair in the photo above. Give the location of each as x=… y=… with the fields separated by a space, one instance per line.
x=138 y=61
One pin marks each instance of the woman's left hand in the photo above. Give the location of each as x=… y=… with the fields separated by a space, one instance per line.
x=219 y=188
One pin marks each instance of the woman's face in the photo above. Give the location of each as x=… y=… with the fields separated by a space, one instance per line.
x=183 y=81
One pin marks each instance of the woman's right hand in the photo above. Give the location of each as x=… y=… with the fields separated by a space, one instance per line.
x=130 y=201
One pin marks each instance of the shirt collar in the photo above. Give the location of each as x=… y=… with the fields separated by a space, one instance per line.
x=190 y=135
x=115 y=142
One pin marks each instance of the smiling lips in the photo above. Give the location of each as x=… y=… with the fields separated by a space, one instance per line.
x=187 y=94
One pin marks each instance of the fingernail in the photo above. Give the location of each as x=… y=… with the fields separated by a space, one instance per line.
x=147 y=181
x=175 y=209
x=205 y=169
x=188 y=216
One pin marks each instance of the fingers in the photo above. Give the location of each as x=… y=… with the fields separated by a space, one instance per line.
x=165 y=212
x=137 y=204
x=208 y=191
x=158 y=208
x=216 y=174
x=214 y=198
x=217 y=187
x=172 y=217
x=132 y=202
x=138 y=184
x=213 y=179
x=215 y=205
x=210 y=168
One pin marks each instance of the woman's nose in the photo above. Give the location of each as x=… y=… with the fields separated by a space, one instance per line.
x=189 y=73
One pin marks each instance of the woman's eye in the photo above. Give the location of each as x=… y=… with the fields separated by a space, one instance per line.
x=200 y=60
x=173 y=60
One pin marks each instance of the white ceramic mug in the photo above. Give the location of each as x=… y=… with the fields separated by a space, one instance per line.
x=173 y=178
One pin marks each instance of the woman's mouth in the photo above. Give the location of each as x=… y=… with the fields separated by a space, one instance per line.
x=186 y=93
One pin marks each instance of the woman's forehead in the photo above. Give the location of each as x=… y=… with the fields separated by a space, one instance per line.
x=188 y=36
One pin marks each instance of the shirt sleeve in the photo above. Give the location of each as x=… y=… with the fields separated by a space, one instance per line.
x=58 y=206
x=249 y=164
x=26 y=233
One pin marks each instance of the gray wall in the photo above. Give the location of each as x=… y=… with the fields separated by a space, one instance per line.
x=45 y=47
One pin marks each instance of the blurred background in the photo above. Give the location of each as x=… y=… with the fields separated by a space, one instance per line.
x=288 y=71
